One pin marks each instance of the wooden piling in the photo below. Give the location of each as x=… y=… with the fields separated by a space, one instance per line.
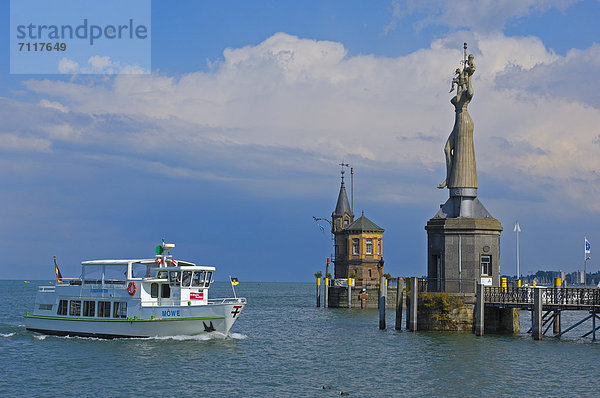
x=537 y=314
x=318 y=292
x=382 y=299
x=349 y=292
x=480 y=311
x=399 y=302
x=326 y=292
x=414 y=294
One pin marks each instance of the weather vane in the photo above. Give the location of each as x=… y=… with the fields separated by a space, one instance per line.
x=344 y=171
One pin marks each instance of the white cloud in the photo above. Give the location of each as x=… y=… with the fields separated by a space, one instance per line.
x=67 y=66
x=15 y=143
x=99 y=65
x=53 y=105
x=294 y=103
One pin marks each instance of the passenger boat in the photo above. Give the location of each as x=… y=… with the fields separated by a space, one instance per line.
x=151 y=297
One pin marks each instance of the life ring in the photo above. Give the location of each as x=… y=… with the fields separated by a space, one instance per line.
x=131 y=288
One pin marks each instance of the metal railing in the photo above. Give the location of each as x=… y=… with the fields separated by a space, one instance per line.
x=231 y=300
x=550 y=296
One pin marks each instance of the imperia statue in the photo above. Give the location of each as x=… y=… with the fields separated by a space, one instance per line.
x=460 y=152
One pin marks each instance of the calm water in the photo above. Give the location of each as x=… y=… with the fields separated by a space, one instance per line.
x=283 y=346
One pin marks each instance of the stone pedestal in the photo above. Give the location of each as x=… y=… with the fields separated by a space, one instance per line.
x=462 y=252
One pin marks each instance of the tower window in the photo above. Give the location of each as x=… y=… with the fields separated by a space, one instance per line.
x=346 y=222
x=379 y=251
x=355 y=246
x=486 y=264
x=369 y=246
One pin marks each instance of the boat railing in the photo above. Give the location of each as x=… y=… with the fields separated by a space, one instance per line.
x=106 y=282
x=231 y=300
x=46 y=289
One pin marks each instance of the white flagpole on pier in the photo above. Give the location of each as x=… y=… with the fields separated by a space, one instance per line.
x=517 y=230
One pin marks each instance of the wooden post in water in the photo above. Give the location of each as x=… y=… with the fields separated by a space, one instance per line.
x=537 y=314
x=399 y=302
x=318 y=292
x=414 y=294
x=556 y=323
x=480 y=311
x=382 y=299
x=326 y=292
x=349 y=292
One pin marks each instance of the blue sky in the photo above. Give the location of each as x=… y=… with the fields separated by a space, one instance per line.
x=231 y=144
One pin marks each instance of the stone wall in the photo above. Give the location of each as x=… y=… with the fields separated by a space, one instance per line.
x=446 y=312
x=338 y=297
x=501 y=320
x=455 y=312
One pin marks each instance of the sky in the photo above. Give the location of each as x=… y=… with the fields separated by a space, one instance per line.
x=231 y=142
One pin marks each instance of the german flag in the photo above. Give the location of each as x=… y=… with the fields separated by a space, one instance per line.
x=58 y=274
x=234 y=281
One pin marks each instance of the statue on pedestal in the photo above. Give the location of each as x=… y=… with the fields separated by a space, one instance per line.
x=461 y=171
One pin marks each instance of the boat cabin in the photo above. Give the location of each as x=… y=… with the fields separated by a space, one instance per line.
x=179 y=283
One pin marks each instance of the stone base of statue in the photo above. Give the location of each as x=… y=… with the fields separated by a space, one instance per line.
x=462 y=251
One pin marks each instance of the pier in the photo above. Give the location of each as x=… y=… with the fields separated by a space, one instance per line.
x=545 y=305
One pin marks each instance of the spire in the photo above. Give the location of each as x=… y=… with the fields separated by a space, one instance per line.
x=343 y=206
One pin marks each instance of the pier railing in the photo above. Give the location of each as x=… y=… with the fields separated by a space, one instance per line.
x=558 y=297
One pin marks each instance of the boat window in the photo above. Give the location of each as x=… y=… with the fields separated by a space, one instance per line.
x=62 y=307
x=165 y=291
x=162 y=275
x=89 y=308
x=174 y=278
x=198 y=278
x=75 y=308
x=186 y=278
x=114 y=273
x=47 y=307
x=120 y=309
x=103 y=309
x=154 y=290
x=139 y=270
x=208 y=278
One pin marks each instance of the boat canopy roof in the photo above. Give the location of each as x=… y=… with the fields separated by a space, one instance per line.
x=120 y=262
x=147 y=261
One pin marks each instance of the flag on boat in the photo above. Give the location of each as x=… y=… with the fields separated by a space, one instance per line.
x=234 y=281
x=588 y=248
x=173 y=262
x=58 y=274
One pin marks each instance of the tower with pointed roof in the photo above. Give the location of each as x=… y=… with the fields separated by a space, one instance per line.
x=358 y=243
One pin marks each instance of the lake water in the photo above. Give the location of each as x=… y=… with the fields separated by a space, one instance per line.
x=282 y=346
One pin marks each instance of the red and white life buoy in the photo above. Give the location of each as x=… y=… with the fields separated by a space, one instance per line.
x=131 y=288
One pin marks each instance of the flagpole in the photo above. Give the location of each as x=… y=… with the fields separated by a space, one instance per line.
x=586 y=251
x=232 y=288
x=517 y=230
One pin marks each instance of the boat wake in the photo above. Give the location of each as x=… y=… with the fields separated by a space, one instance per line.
x=238 y=336
x=202 y=337
x=7 y=334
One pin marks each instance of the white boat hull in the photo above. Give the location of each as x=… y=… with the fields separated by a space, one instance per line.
x=175 y=322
